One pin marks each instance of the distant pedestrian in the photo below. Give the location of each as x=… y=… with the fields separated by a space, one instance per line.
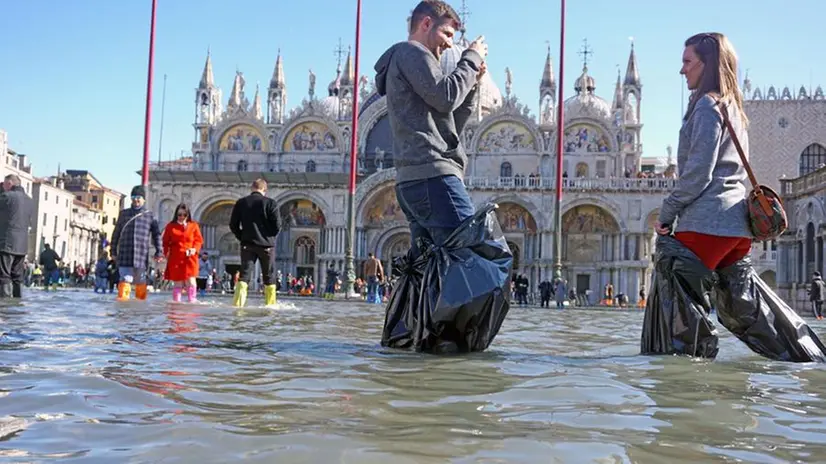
x=16 y=209
x=255 y=222
x=182 y=242
x=135 y=228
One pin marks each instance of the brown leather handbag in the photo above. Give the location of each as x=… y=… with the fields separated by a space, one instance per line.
x=767 y=217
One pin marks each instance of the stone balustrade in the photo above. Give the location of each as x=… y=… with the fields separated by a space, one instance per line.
x=590 y=184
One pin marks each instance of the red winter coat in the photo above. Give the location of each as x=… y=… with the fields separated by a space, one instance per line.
x=177 y=238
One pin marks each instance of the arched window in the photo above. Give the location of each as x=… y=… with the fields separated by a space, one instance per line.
x=242 y=166
x=505 y=170
x=582 y=170
x=310 y=166
x=304 y=251
x=812 y=158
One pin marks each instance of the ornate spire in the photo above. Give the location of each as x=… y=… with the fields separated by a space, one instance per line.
x=257 y=112
x=548 y=80
x=585 y=52
x=278 y=79
x=237 y=100
x=632 y=75
x=349 y=77
x=464 y=13
x=584 y=81
x=206 y=77
x=618 y=97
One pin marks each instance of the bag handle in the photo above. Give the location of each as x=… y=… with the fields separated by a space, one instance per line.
x=757 y=188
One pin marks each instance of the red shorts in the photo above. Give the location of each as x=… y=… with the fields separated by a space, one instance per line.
x=714 y=251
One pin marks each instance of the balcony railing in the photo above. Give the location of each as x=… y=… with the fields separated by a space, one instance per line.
x=539 y=183
x=809 y=183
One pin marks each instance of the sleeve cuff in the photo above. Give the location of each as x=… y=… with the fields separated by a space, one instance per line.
x=667 y=213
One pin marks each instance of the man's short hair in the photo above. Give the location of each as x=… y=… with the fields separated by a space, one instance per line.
x=440 y=11
x=13 y=178
x=259 y=184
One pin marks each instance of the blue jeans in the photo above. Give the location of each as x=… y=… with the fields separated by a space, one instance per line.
x=434 y=207
x=372 y=287
x=101 y=283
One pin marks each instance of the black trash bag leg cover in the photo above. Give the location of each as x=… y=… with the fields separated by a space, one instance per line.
x=761 y=319
x=6 y=289
x=677 y=310
x=455 y=295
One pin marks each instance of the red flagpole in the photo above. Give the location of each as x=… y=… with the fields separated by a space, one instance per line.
x=350 y=236
x=355 y=123
x=148 y=115
x=560 y=128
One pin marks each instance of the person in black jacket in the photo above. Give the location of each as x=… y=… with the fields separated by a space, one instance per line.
x=16 y=209
x=255 y=222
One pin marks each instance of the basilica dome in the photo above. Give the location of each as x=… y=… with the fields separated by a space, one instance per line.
x=586 y=103
x=489 y=93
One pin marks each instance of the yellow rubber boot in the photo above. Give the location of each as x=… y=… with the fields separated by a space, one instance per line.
x=240 y=299
x=124 y=290
x=269 y=295
x=140 y=291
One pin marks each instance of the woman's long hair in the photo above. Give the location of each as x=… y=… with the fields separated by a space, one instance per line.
x=182 y=207
x=719 y=77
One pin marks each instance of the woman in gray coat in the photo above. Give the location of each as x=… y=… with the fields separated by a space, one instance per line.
x=704 y=230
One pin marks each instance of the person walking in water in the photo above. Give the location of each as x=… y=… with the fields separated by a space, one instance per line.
x=16 y=209
x=373 y=272
x=428 y=111
x=817 y=292
x=182 y=242
x=255 y=222
x=135 y=228
x=49 y=259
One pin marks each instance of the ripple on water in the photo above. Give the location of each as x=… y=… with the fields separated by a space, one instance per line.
x=307 y=381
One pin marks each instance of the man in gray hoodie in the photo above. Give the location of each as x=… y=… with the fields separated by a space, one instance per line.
x=428 y=111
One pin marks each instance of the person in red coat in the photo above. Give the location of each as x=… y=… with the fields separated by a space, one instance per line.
x=182 y=242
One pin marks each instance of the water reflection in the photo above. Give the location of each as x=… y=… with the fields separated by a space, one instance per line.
x=309 y=382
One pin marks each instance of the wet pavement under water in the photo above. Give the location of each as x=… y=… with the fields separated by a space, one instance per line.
x=86 y=379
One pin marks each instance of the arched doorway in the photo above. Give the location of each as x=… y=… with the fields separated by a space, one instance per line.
x=395 y=247
x=516 y=254
x=519 y=227
x=304 y=256
x=590 y=248
x=219 y=243
x=303 y=237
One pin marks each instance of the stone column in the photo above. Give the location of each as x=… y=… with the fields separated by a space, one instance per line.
x=634 y=290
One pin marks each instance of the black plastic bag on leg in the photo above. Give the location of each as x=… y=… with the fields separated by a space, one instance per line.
x=456 y=294
x=677 y=310
x=761 y=319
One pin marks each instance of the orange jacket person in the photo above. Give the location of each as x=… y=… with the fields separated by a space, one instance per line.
x=182 y=242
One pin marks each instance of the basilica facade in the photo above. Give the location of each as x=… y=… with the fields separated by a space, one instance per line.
x=607 y=211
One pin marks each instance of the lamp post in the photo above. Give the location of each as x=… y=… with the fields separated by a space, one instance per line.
x=560 y=127
x=148 y=115
x=350 y=236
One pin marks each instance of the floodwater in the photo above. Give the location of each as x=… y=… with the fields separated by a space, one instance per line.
x=86 y=379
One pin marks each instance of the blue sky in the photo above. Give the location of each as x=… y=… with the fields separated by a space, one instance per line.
x=73 y=77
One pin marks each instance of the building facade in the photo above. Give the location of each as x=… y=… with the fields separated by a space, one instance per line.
x=787 y=142
x=84 y=235
x=90 y=191
x=15 y=163
x=50 y=222
x=607 y=212
x=800 y=251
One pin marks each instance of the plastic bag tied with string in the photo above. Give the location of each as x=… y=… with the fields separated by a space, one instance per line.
x=456 y=294
x=684 y=292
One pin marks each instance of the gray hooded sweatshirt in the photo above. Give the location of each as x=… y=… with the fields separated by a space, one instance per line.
x=427 y=109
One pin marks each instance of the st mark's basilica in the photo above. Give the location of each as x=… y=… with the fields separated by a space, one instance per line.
x=611 y=194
